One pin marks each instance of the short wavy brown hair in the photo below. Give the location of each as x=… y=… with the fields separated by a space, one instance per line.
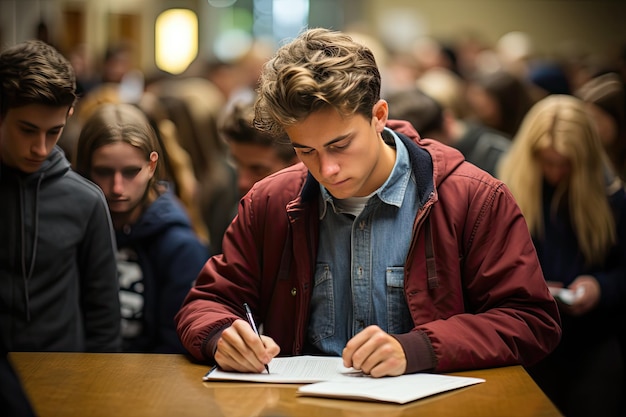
x=33 y=72
x=320 y=68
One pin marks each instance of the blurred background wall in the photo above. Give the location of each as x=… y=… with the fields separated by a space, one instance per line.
x=587 y=26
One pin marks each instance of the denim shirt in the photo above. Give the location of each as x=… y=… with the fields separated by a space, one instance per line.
x=359 y=274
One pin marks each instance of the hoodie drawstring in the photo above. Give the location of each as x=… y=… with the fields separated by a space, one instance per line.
x=431 y=269
x=27 y=275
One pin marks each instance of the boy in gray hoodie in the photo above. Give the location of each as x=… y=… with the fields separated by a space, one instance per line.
x=58 y=282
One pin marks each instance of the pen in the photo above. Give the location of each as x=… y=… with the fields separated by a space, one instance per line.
x=206 y=376
x=253 y=325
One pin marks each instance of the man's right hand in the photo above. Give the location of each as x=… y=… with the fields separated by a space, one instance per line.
x=240 y=349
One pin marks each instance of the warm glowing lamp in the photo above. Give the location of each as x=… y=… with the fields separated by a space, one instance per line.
x=176 y=40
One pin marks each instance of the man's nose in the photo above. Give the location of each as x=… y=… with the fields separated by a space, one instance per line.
x=328 y=165
x=38 y=147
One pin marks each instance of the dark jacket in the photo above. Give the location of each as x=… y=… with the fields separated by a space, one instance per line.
x=562 y=261
x=14 y=401
x=58 y=280
x=482 y=146
x=472 y=280
x=170 y=256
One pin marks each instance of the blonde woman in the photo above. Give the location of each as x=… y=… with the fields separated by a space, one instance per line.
x=575 y=208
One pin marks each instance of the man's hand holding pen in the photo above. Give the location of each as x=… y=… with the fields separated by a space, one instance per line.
x=250 y=318
x=241 y=349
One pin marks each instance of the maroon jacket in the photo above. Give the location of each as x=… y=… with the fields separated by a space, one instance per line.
x=472 y=282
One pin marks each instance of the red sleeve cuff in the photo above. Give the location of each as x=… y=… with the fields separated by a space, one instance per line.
x=419 y=352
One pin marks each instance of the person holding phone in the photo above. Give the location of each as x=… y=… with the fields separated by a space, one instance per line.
x=575 y=208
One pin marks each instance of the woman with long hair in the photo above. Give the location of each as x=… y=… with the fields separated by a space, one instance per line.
x=575 y=208
x=159 y=254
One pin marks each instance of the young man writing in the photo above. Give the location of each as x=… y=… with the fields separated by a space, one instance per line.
x=387 y=250
x=58 y=278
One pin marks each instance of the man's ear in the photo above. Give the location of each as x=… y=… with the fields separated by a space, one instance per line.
x=70 y=112
x=380 y=114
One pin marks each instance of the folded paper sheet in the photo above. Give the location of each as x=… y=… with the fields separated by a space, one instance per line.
x=400 y=389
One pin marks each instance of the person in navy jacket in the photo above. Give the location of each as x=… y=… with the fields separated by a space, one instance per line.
x=158 y=253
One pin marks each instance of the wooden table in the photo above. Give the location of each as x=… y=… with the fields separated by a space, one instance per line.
x=128 y=385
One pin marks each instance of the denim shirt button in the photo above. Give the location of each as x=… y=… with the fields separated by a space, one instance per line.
x=293 y=292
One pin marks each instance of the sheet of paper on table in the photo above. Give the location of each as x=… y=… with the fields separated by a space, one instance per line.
x=288 y=370
x=327 y=377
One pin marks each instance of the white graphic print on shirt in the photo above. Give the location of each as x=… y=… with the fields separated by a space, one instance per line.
x=131 y=292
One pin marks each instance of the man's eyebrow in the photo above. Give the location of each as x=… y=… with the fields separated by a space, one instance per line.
x=34 y=126
x=327 y=144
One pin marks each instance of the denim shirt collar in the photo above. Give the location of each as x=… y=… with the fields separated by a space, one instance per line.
x=393 y=189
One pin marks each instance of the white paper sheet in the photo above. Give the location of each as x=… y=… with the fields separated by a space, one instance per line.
x=294 y=369
x=400 y=389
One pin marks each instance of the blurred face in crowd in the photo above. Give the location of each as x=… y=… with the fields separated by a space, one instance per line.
x=254 y=162
x=123 y=173
x=483 y=105
x=28 y=135
x=556 y=168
